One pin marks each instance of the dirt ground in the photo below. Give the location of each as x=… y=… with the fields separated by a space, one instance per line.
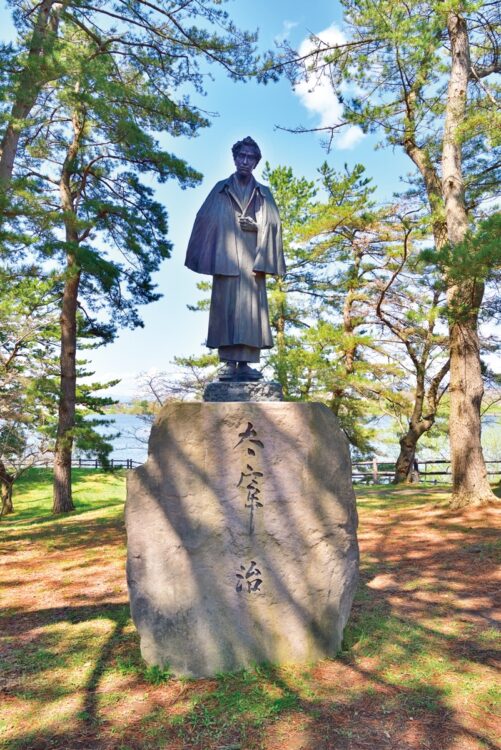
x=418 y=669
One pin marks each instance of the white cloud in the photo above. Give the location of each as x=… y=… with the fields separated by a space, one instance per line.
x=317 y=95
x=330 y=36
x=287 y=27
x=349 y=138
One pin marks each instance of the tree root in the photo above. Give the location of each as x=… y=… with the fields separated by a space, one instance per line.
x=461 y=500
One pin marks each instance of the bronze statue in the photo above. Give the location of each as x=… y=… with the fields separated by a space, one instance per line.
x=237 y=239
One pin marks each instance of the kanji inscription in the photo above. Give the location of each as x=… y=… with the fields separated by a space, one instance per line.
x=250 y=479
x=248 y=579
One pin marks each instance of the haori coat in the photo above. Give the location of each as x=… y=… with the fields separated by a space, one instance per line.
x=238 y=260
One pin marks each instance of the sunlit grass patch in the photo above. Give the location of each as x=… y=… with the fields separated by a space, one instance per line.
x=489 y=637
x=92 y=490
x=30 y=720
x=489 y=698
x=398 y=497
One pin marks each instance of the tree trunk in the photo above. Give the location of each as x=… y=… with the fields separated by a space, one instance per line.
x=405 y=460
x=6 y=482
x=470 y=485
x=63 y=501
x=408 y=443
x=6 y=493
x=31 y=80
x=419 y=422
x=67 y=394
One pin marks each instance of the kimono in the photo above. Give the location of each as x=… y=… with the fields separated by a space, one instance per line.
x=239 y=261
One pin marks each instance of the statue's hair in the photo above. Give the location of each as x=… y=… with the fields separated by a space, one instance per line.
x=247 y=142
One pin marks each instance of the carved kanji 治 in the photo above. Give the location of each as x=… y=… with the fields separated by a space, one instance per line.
x=248 y=579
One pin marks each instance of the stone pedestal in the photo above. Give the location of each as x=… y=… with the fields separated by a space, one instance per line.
x=262 y=390
x=241 y=532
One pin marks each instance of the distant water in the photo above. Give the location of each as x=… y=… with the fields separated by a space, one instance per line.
x=132 y=441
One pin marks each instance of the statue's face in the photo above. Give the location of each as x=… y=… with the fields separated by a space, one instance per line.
x=245 y=161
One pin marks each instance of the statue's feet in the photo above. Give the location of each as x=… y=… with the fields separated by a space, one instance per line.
x=228 y=372
x=244 y=372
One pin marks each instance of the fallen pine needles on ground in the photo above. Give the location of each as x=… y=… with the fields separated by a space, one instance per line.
x=417 y=669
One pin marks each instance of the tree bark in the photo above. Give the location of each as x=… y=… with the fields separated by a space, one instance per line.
x=31 y=82
x=470 y=484
x=281 y=347
x=417 y=427
x=405 y=460
x=63 y=501
x=7 y=505
x=421 y=421
x=6 y=482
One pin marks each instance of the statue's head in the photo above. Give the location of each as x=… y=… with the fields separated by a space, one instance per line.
x=246 y=155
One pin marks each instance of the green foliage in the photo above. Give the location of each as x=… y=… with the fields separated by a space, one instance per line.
x=29 y=372
x=399 y=66
x=320 y=309
x=393 y=68
x=478 y=257
x=85 y=94
x=203 y=304
x=156 y=675
x=28 y=346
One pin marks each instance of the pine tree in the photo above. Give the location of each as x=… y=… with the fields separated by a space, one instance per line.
x=409 y=301
x=320 y=310
x=425 y=78
x=75 y=184
x=162 y=39
x=28 y=347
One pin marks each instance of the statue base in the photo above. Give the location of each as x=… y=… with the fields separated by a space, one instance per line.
x=261 y=390
x=241 y=536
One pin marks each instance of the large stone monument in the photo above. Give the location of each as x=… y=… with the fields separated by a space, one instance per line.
x=241 y=530
x=241 y=525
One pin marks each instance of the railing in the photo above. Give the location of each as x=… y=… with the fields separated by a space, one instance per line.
x=92 y=463
x=383 y=470
x=378 y=470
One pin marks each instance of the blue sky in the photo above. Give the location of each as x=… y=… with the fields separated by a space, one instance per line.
x=243 y=109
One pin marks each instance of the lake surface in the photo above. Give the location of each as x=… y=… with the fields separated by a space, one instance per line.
x=132 y=441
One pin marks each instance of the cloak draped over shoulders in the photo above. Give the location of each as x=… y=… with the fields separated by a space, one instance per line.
x=213 y=245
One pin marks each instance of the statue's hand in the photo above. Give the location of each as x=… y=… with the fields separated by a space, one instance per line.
x=247 y=224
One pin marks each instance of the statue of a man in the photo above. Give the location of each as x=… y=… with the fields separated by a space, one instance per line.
x=237 y=239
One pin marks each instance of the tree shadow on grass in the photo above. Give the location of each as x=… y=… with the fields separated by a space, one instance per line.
x=36 y=658
x=388 y=689
x=72 y=532
x=395 y=685
x=360 y=700
x=33 y=495
x=352 y=703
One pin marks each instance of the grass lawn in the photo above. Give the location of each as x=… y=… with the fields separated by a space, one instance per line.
x=417 y=670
